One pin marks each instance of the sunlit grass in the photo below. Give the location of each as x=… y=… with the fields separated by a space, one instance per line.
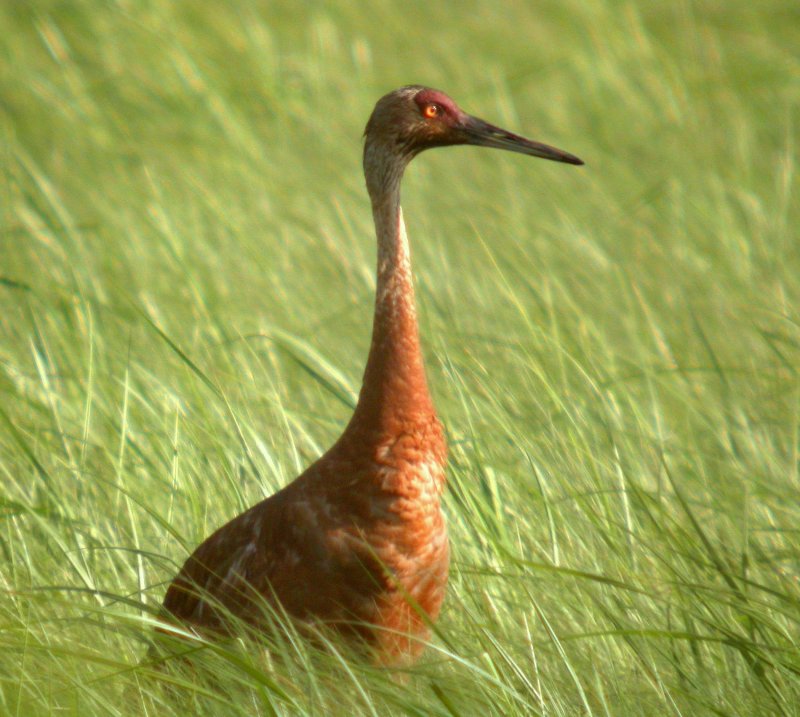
x=186 y=278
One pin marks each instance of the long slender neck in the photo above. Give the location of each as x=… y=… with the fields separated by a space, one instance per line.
x=394 y=389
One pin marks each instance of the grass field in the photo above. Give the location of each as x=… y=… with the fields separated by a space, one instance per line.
x=186 y=285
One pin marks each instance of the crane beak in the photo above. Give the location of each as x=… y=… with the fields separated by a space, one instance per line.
x=483 y=134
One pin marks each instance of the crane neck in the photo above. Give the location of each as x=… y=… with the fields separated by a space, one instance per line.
x=394 y=392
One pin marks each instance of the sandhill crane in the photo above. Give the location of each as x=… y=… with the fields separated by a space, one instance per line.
x=358 y=541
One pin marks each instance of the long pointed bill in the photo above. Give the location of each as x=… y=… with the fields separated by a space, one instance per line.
x=484 y=134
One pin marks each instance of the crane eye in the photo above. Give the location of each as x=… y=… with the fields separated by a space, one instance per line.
x=431 y=110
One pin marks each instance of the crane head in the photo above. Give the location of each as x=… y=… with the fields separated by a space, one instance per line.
x=414 y=118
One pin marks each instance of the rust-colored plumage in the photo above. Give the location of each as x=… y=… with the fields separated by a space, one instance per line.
x=358 y=542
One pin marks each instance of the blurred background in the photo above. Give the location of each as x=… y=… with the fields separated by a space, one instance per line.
x=186 y=287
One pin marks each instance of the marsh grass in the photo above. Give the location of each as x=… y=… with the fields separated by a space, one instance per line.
x=186 y=278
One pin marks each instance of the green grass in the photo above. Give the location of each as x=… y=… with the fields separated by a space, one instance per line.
x=186 y=278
